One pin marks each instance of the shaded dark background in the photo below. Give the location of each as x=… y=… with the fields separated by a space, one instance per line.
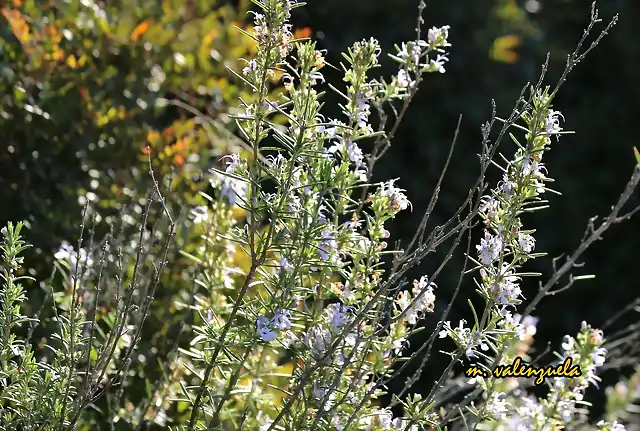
x=600 y=101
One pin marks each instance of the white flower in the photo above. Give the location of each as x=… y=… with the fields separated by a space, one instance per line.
x=318 y=339
x=506 y=186
x=276 y=162
x=489 y=248
x=268 y=328
x=332 y=132
x=526 y=242
x=362 y=110
x=347 y=292
x=264 y=421
x=465 y=338
x=295 y=179
x=404 y=80
x=512 y=323
x=252 y=67
x=414 y=55
x=315 y=76
x=489 y=207
x=568 y=343
x=527 y=165
x=234 y=162
x=232 y=189
x=529 y=324
x=384 y=418
x=447 y=328
x=598 y=356
x=361 y=174
x=355 y=153
x=496 y=406
x=532 y=167
x=613 y=426
x=474 y=340
x=566 y=409
x=338 y=422
x=438 y=36
x=321 y=218
x=227 y=278
x=404 y=301
x=400 y=424
x=294 y=206
x=397 y=199
x=200 y=214
x=508 y=289
x=422 y=295
x=438 y=64
x=553 y=123
x=352 y=225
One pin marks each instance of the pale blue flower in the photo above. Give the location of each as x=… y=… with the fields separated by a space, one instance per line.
x=338 y=316
x=327 y=246
x=282 y=319
x=264 y=329
x=318 y=340
x=489 y=207
x=234 y=190
x=397 y=199
x=506 y=186
x=286 y=265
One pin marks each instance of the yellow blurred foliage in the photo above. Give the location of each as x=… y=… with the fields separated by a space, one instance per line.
x=140 y=30
x=504 y=48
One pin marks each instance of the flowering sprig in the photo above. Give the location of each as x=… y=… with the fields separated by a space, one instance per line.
x=417 y=57
x=505 y=245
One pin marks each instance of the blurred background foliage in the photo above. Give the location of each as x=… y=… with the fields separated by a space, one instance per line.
x=86 y=85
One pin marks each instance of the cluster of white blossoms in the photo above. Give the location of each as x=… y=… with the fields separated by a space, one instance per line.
x=421 y=300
